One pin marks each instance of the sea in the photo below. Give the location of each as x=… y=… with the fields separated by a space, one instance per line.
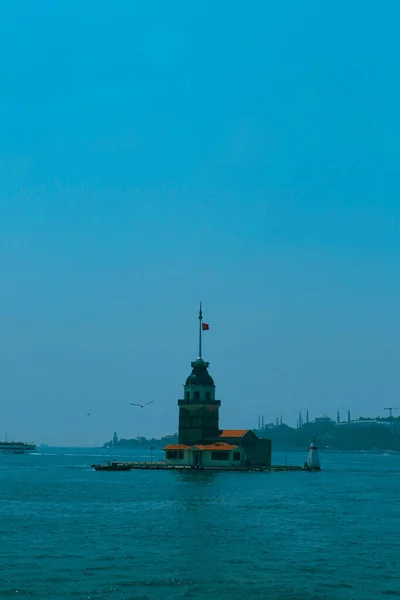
x=69 y=532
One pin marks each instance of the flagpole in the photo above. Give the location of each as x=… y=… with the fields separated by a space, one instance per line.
x=200 y=320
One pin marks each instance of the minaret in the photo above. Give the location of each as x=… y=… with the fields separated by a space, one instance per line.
x=199 y=410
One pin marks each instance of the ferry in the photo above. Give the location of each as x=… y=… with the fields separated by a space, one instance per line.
x=16 y=447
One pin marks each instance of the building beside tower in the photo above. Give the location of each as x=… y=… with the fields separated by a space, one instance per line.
x=201 y=441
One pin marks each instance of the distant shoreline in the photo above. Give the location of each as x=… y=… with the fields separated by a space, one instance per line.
x=274 y=450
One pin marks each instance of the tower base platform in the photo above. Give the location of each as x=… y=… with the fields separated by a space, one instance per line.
x=158 y=466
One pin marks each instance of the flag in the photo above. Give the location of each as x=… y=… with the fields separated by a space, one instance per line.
x=205 y=326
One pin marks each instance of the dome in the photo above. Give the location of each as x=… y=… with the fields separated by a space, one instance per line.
x=200 y=374
x=323 y=419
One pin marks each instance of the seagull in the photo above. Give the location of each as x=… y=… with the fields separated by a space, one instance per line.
x=142 y=405
x=88 y=414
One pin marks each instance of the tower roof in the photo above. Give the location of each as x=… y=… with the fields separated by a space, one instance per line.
x=200 y=374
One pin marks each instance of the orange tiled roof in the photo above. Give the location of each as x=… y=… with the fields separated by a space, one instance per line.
x=176 y=447
x=217 y=446
x=233 y=433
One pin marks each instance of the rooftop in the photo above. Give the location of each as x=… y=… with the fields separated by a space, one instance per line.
x=213 y=447
x=217 y=446
x=233 y=433
x=176 y=447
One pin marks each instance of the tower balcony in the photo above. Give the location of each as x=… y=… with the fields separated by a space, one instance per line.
x=191 y=401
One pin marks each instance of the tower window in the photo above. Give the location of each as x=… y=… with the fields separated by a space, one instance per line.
x=187 y=395
x=208 y=396
x=197 y=395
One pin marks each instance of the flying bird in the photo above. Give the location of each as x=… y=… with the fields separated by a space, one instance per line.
x=142 y=405
x=88 y=414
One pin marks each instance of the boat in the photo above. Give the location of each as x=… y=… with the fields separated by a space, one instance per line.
x=7 y=447
x=112 y=466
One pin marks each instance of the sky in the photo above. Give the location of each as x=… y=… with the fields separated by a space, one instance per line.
x=158 y=154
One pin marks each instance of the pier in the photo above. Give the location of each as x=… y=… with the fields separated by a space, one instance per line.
x=162 y=466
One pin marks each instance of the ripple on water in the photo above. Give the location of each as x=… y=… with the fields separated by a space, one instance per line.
x=70 y=533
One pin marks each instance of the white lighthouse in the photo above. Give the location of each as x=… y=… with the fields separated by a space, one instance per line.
x=313 y=463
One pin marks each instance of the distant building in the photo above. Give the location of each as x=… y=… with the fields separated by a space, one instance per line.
x=201 y=441
x=323 y=419
x=366 y=424
x=173 y=437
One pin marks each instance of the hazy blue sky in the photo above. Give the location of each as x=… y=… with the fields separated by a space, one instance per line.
x=154 y=154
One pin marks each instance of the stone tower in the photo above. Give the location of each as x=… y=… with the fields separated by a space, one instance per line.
x=199 y=410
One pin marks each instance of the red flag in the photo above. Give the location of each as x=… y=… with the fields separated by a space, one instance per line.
x=205 y=326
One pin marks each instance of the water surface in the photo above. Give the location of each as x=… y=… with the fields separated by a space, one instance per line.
x=68 y=532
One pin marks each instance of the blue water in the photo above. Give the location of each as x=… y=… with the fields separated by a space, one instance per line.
x=68 y=532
